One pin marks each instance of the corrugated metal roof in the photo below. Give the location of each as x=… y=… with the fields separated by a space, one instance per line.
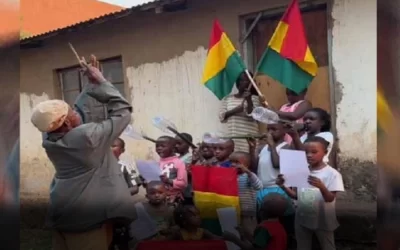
x=42 y=16
x=101 y=18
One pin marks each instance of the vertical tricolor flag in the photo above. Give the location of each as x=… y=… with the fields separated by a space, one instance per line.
x=288 y=58
x=214 y=188
x=223 y=64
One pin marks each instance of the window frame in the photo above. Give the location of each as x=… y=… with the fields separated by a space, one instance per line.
x=61 y=72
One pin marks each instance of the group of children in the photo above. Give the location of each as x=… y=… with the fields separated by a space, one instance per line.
x=270 y=211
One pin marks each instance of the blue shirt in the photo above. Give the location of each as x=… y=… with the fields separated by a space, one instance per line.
x=225 y=164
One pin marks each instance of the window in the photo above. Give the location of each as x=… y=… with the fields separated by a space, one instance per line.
x=72 y=80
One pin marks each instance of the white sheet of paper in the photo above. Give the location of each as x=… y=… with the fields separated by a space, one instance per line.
x=294 y=167
x=228 y=220
x=149 y=170
x=143 y=227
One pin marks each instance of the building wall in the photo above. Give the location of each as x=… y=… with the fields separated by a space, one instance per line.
x=354 y=70
x=163 y=57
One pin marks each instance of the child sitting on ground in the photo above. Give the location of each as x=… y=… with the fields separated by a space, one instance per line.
x=157 y=209
x=248 y=184
x=269 y=234
x=316 y=211
x=187 y=217
x=173 y=170
x=222 y=151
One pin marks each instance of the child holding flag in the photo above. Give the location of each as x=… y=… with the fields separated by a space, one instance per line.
x=249 y=184
x=222 y=151
x=235 y=112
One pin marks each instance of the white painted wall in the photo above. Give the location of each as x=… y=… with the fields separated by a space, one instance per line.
x=354 y=62
x=35 y=168
x=171 y=89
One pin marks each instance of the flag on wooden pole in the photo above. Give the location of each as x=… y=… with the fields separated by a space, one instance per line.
x=223 y=64
x=288 y=58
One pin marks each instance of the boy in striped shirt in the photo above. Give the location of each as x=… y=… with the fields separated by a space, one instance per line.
x=249 y=184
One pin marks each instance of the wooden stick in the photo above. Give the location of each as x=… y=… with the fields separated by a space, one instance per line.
x=149 y=139
x=182 y=137
x=254 y=84
x=75 y=53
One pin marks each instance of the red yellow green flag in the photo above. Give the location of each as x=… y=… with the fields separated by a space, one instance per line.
x=223 y=64
x=214 y=188
x=385 y=116
x=288 y=58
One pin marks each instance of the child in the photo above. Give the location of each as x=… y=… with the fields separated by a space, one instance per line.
x=131 y=176
x=248 y=183
x=182 y=148
x=173 y=170
x=269 y=234
x=157 y=210
x=204 y=155
x=267 y=160
x=317 y=123
x=296 y=107
x=222 y=151
x=187 y=217
x=316 y=205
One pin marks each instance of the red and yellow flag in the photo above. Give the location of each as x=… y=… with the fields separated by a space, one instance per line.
x=214 y=188
x=288 y=58
x=223 y=64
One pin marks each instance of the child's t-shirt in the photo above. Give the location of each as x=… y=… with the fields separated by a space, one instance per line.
x=175 y=169
x=225 y=164
x=312 y=210
x=266 y=171
x=270 y=235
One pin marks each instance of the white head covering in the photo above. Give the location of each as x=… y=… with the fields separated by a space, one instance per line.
x=49 y=115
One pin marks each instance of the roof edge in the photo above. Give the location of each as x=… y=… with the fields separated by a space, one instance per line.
x=114 y=15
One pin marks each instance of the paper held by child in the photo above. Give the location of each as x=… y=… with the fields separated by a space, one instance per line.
x=294 y=168
x=143 y=227
x=149 y=170
x=228 y=220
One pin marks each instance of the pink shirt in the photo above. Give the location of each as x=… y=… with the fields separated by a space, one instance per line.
x=175 y=169
x=291 y=108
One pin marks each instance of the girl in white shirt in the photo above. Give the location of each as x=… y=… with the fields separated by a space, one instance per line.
x=315 y=213
x=317 y=122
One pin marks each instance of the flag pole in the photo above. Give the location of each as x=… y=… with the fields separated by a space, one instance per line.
x=254 y=84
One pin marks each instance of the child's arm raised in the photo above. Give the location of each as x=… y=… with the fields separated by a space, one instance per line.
x=254 y=181
x=292 y=193
x=253 y=154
